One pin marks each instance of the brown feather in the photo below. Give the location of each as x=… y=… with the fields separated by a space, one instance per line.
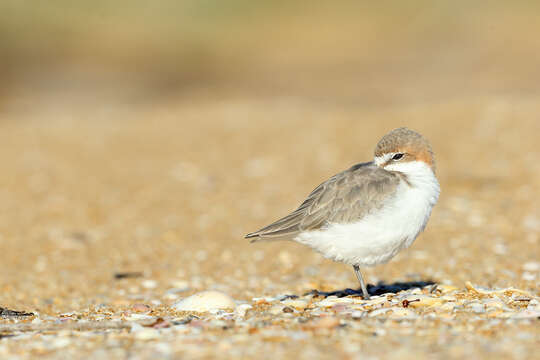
x=345 y=197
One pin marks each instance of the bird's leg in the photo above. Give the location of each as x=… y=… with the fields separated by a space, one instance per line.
x=365 y=293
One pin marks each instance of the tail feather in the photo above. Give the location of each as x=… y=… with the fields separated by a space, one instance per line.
x=256 y=237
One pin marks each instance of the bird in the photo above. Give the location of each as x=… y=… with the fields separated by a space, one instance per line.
x=365 y=215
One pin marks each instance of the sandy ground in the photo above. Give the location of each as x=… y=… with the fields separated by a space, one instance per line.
x=141 y=143
x=167 y=190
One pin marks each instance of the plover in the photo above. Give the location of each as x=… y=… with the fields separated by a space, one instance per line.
x=365 y=215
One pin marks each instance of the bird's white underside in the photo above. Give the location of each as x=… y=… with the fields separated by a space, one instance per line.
x=379 y=236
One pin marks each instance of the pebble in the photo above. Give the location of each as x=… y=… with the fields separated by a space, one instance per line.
x=491 y=292
x=147 y=334
x=416 y=301
x=446 y=307
x=170 y=296
x=359 y=314
x=242 y=309
x=205 y=301
x=163 y=348
x=298 y=304
x=179 y=286
x=444 y=288
x=141 y=308
x=60 y=342
x=373 y=301
x=528 y=276
x=531 y=266
x=477 y=308
x=139 y=317
x=403 y=313
x=494 y=303
x=276 y=309
x=333 y=300
x=379 y=312
x=263 y=300
x=527 y=314
x=326 y=322
x=149 y=284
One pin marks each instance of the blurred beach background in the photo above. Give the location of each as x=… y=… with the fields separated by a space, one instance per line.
x=149 y=137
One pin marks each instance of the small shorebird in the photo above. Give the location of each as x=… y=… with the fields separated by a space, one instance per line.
x=365 y=215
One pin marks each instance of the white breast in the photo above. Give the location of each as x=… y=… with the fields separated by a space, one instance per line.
x=378 y=237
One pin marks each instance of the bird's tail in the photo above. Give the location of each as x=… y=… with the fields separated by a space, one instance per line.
x=254 y=237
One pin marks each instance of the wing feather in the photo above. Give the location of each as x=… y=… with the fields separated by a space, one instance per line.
x=345 y=197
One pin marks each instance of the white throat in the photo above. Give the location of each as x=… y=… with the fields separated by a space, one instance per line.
x=414 y=170
x=419 y=175
x=411 y=168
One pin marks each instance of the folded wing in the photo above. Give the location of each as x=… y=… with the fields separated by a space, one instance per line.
x=345 y=197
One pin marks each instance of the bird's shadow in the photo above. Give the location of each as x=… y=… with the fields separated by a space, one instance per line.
x=379 y=289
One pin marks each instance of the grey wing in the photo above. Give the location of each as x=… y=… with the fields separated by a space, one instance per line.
x=346 y=197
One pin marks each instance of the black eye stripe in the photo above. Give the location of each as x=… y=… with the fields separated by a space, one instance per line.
x=397 y=156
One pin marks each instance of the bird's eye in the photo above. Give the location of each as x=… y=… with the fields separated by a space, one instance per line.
x=397 y=156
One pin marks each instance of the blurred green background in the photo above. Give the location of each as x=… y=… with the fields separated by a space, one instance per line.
x=340 y=51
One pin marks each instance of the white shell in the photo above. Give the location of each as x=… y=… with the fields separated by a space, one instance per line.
x=205 y=301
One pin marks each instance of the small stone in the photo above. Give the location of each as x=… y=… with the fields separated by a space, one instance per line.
x=205 y=301
x=264 y=300
x=402 y=313
x=532 y=222
x=170 y=296
x=333 y=300
x=179 y=286
x=163 y=348
x=446 y=288
x=494 y=313
x=141 y=308
x=373 y=301
x=357 y=314
x=527 y=314
x=379 y=312
x=500 y=249
x=276 y=309
x=159 y=323
x=298 y=304
x=326 y=322
x=242 y=309
x=149 y=284
x=527 y=276
x=477 y=308
x=147 y=334
x=61 y=342
x=494 y=303
x=416 y=301
x=491 y=292
x=341 y=308
x=531 y=266
x=446 y=307
x=139 y=317
x=285 y=259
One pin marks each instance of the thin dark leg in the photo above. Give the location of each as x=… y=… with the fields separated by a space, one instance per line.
x=365 y=293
